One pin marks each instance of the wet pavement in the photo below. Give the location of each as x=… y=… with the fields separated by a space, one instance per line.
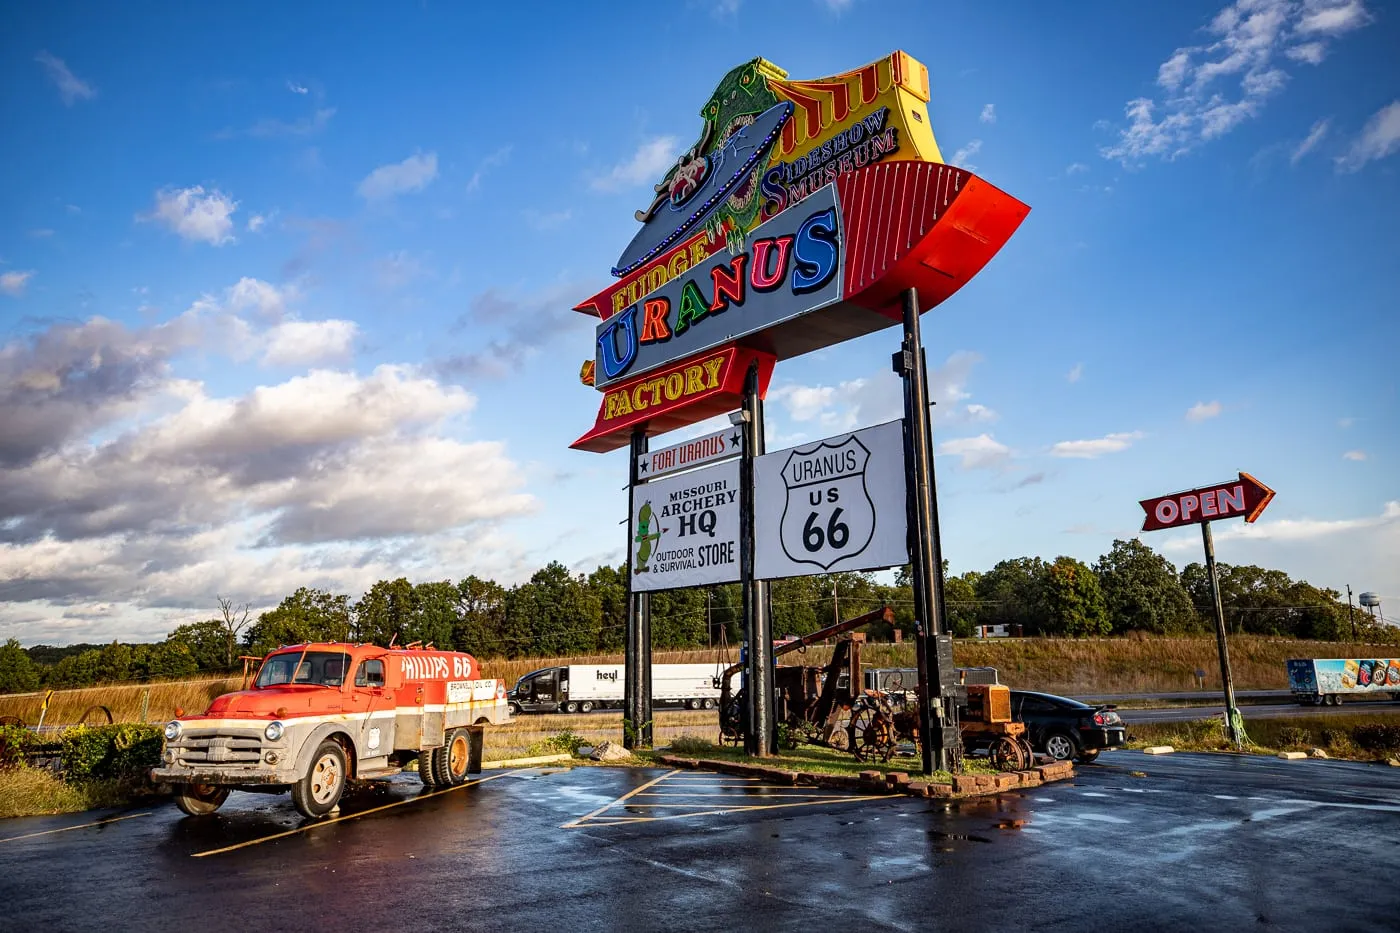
x=1185 y=841
x=1261 y=711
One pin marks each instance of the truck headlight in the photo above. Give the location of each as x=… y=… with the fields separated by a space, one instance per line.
x=172 y=730
x=273 y=731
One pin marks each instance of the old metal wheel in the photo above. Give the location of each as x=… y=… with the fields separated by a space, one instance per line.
x=95 y=716
x=1060 y=746
x=1007 y=755
x=16 y=721
x=200 y=799
x=457 y=757
x=871 y=735
x=319 y=790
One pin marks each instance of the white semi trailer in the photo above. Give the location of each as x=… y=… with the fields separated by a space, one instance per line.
x=583 y=688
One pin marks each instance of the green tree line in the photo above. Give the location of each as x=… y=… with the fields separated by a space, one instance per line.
x=558 y=613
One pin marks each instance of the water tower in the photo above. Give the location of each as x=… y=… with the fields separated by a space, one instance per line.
x=1372 y=602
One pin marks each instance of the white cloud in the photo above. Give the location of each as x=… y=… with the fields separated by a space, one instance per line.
x=302 y=343
x=412 y=174
x=1345 y=422
x=1249 y=38
x=982 y=451
x=194 y=215
x=977 y=412
x=646 y=166
x=1075 y=373
x=70 y=87
x=1074 y=168
x=492 y=161
x=256 y=223
x=1089 y=450
x=41 y=233
x=835 y=6
x=397 y=269
x=13 y=283
x=305 y=126
x=1380 y=138
x=1354 y=455
x=297 y=88
x=989 y=113
x=1202 y=411
x=552 y=220
x=1315 y=136
x=1288 y=529
x=966 y=152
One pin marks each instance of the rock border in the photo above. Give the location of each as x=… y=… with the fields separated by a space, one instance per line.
x=893 y=782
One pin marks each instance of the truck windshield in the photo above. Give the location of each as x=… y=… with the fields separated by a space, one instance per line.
x=326 y=668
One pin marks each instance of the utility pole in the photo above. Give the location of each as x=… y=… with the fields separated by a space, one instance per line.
x=1351 y=613
x=1232 y=713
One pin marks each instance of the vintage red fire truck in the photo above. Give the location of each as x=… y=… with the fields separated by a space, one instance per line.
x=318 y=715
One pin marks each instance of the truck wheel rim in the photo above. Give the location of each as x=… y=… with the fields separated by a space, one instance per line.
x=325 y=779
x=457 y=755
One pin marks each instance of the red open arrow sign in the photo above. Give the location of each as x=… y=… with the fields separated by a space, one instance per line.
x=1245 y=497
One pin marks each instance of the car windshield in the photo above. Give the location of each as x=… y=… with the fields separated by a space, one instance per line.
x=325 y=668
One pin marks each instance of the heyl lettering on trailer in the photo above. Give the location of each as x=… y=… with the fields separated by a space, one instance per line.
x=789 y=268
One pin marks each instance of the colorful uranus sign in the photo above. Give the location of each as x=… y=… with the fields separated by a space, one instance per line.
x=796 y=221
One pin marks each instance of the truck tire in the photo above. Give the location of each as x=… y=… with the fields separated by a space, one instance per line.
x=456 y=758
x=515 y=709
x=708 y=703
x=440 y=765
x=200 y=799
x=571 y=707
x=318 y=791
x=427 y=773
x=586 y=706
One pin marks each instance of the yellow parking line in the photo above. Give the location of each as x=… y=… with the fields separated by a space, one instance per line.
x=49 y=832
x=351 y=816
x=760 y=796
x=573 y=824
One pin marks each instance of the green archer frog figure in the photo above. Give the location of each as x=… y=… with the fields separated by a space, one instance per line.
x=646 y=539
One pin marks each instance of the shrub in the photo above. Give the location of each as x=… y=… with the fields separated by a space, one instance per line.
x=1377 y=737
x=1333 y=738
x=1293 y=735
x=30 y=791
x=114 y=753
x=14 y=741
x=691 y=745
x=565 y=740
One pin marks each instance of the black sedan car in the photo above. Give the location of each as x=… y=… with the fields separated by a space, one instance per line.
x=1063 y=728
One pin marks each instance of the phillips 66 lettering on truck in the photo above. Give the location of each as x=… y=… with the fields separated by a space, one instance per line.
x=318 y=715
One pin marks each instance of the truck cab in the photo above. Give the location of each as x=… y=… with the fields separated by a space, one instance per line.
x=541 y=691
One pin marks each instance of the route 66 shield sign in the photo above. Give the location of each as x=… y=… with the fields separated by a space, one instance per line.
x=835 y=505
x=828 y=515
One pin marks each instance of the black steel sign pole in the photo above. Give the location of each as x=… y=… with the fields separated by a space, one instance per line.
x=1232 y=712
x=761 y=733
x=926 y=559
x=636 y=703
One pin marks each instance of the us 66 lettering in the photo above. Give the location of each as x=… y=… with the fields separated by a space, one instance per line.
x=835 y=533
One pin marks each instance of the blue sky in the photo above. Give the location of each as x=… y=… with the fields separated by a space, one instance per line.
x=285 y=292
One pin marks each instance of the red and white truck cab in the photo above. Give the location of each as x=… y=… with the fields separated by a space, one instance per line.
x=318 y=715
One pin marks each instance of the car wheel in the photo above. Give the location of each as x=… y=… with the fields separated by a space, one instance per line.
x=586 y=706
x=1088 y=755
x=319 y=789
x=1060 y=746
x=200 y=799
x=571 y=707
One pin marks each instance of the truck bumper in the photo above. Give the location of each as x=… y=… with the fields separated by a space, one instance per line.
x=224 y=777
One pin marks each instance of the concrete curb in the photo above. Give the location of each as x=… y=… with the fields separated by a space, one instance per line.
x=895 y=782
x=1292 y=756
x=524 y=762
x=1158 y=750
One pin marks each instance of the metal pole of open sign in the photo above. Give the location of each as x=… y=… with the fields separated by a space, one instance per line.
x=761 y=734
x=1232 y=713
x=636 y=702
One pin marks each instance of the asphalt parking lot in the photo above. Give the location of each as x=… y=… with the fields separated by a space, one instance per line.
x=1186 y=841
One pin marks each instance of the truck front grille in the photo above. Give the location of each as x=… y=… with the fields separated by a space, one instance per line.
x=244 y=749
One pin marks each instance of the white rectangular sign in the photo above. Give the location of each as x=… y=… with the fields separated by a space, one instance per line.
x=832 y=506
x=685 y=529
x=711 y=448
